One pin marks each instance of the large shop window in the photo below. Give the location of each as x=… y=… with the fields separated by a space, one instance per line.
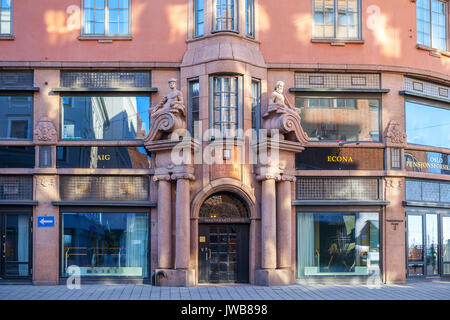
x=340 y=119
x=226 y=105
x=104 y=117
x=338 y=244
x=16 y=117
x=336 y=19
x=427 y=125
x=106 y=244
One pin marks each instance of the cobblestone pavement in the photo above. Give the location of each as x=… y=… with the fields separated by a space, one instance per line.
x=410 y=291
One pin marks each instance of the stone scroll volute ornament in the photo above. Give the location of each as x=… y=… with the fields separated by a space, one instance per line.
x=282 y=116
x=45 y=132
x=168 y=115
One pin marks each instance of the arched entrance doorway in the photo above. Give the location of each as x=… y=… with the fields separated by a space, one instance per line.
x=223 y=248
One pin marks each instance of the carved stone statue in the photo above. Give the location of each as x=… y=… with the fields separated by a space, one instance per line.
x=283 y=116
x=168 y=115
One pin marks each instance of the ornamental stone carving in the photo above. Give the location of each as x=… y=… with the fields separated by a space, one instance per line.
x=394 y=134
x=45 y=132
x=168 y=115
x=282 y=116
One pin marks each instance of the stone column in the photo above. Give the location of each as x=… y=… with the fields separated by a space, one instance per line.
x=164 y=222
x=182 y=225
x=268 y=224
x=284 y=223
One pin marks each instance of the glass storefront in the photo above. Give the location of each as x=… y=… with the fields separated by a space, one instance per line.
x=104 y=118
x=340 y=119
x=105 y=243
x=338 y=244
x=427 y=125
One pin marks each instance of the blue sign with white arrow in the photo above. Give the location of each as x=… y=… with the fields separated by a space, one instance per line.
x=46 y=221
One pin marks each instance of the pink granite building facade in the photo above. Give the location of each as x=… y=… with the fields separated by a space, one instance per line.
x=84 y=190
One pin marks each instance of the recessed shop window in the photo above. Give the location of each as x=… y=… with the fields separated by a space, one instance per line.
x=104 y=117
x=427 y=125
x=335 y=19
x=106 y=244
x=225 y=14
x=106 y=17
x=102 y=157
x=16 y=114
x=340 y=119
x=338 y=244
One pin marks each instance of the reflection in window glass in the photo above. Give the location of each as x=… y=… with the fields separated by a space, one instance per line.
x=336 y=119
x=194 y=105
x=225 y=15
x=105 y=118
x=331 y=244
x=106 y=244
x=199 y=18
x=16 y=114
x=427 y=125
x=415 y=238
x=432 y=23
x=336 y=19
x=432 y=244
x=226 y=97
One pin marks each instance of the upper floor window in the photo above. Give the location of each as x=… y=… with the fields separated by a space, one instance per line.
x=337 y=19
x=198 y=18
x=225 y=13
x=16 y=117
x=256 y=104
x=250 y=18
x=194 y=104
x=5 y=17
x=106 y=17
x=226 y=99
x=432 y=23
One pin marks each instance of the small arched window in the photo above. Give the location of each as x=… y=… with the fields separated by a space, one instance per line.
x=223 y=205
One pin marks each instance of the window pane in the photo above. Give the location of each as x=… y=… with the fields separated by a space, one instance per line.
x=250 y=18
x=332 y=244
x=106 y=244
x=427 y=125
x=415 y=238
x=107 y=118
x=194 y=107
x=16 y=114
x=432 y=244
x=332 y=119
x=225 y=99
x=113 y=4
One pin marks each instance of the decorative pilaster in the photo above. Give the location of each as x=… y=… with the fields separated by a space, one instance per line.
x=284 y=222
x=164 y=221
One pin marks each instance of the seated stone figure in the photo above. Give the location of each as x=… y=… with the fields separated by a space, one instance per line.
x=168 y=115
x=282 y=116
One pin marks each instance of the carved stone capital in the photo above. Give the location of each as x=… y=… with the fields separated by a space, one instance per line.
x=268 y=173
x=394 y=135
x=45 y=132
x=186 y=176
x=163 y=177
x=286 y=177
x=268 y=176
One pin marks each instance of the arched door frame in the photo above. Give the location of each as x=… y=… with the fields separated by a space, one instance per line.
x=245 y=194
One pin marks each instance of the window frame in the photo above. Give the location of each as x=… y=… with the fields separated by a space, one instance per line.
x=190 y=96
x=239 y=105
x=195 y=16
x=256 y=108
x=235 y=27
x=11 y=22
x=29 y=118
x=336 y=24
x=447 y=31
x=106 y=33
x=250 y=10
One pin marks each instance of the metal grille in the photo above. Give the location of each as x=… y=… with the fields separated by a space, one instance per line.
x=75 y=79
x=421 y=190
x=104 y=188
x=14 y=79
x=396 y=162
x=427 y=88
x=337 y=80
x=337 y=189
x=16 y=188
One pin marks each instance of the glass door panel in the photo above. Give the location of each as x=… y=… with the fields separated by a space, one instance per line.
x=16 y=246
x=431 y=253
x=415 y=245
x=446 y=245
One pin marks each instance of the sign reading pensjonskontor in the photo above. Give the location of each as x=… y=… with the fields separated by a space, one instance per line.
x=427 y=162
